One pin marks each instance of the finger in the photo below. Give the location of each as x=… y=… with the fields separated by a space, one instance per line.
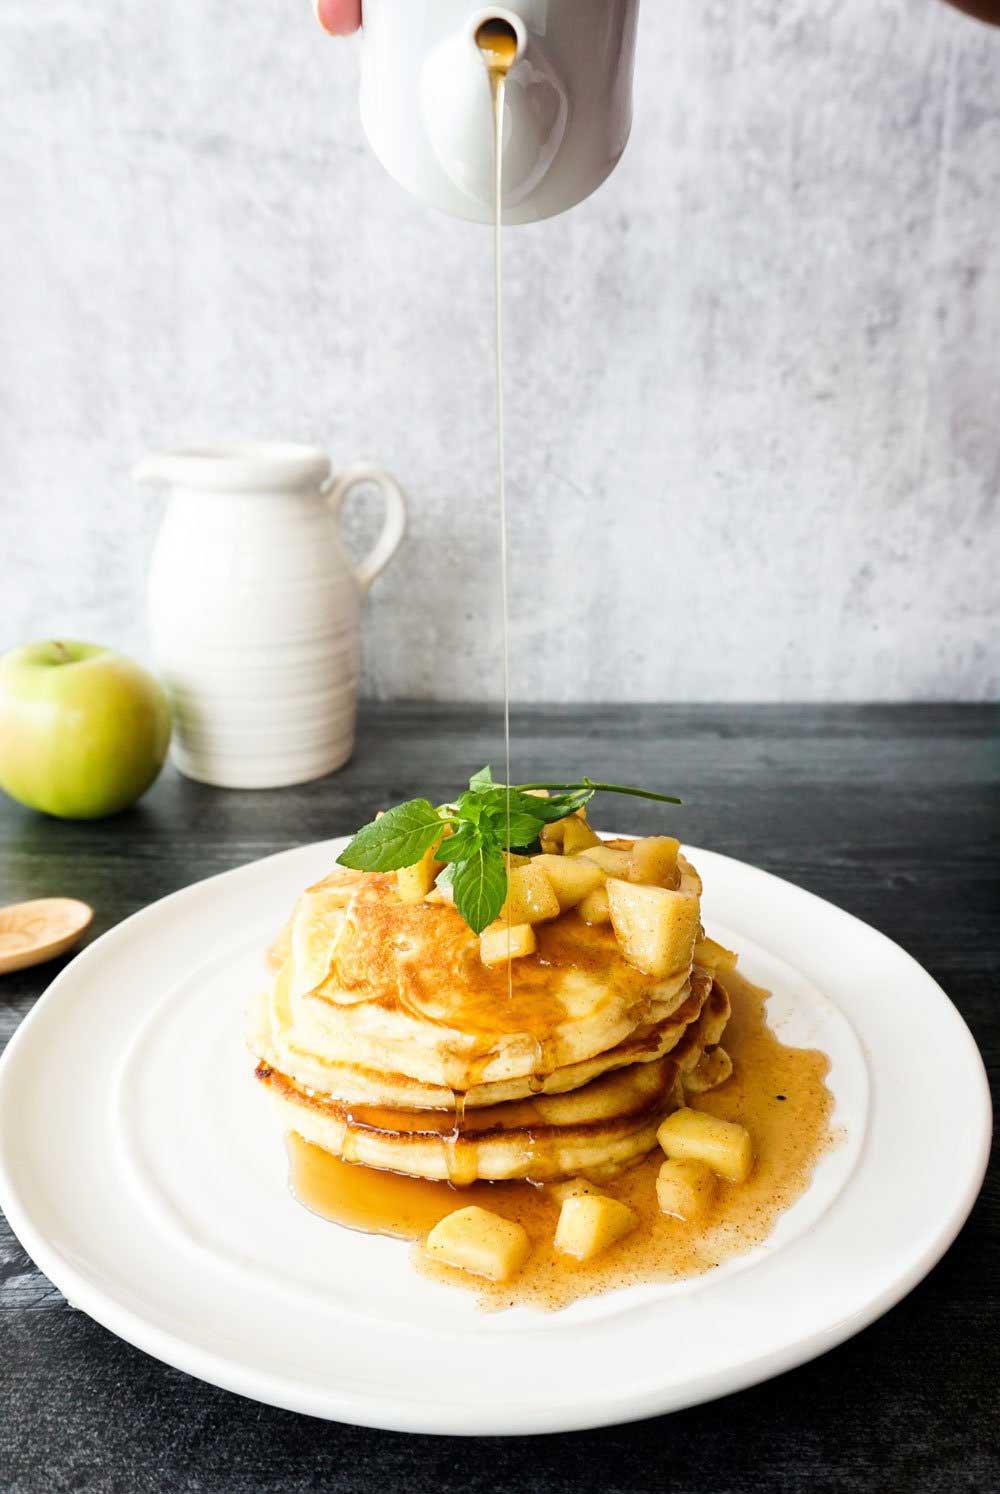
x=339 y=17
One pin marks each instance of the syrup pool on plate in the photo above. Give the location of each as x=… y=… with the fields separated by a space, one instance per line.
x=779 y=1093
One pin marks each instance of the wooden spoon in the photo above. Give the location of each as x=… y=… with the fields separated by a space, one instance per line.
x=40 y=930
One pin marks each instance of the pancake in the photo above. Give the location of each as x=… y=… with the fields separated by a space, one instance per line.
x=278 y=1041
x=596 y=1129
x=385 y=1039
x=406 y=990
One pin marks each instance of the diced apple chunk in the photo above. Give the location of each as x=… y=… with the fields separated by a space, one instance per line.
x=712 y=1069
x=571 y=877
x=590 y=1223
x=572 y=1188
x=595 y=908
x=654 y=861
x=689 y=881
x=655 y=927
x=551 y=837
x=413 y=883
x=475 y=1240
x=685 y=1189
x=530 y=896
x=615 y=863
x=494 y=944
x=577 y=835
x=553 y=834
x=722 y=1145
x=712 y=956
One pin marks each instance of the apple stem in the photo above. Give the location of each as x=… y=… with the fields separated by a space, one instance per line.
x=64 y=657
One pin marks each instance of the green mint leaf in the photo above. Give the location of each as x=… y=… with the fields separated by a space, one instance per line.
x=446 y=877
x=471 y=807
x=465 y=842
x=549 y=810
x=399 y=838
x=524 y=829
x=481 y=780
x=491 y=802
x=480 y=886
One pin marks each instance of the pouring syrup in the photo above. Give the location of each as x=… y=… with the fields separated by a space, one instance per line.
x=497 y=41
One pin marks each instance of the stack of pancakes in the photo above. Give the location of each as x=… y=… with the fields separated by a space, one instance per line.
x=386 y=1041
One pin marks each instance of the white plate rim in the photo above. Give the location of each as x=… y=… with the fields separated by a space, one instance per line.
x=444 y=1417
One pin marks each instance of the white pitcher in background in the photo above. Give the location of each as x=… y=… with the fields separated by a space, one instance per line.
x=255 y=607
x=426 y=108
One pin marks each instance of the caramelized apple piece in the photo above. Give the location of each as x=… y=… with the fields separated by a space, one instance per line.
x=413 y=883
x=595 y=907
x=577 y=835
x=571 y=877
x=531 y=897
x=712 y=956
x=655 y=927
x=494 y=945
x=712 y=1069
x=551 y=837
x=475 y=1240
x=689 y=881
x=724 y=1146
x=685 y=1189
x=614 y=862
x=654 y=861
x=590 y=1223
x=572 y=1188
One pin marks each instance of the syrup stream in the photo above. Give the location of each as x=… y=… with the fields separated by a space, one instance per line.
x=498 y=88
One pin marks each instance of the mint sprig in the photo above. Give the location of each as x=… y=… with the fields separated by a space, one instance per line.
x=488 y=820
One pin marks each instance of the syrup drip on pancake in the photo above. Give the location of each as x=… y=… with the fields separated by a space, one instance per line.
x=461 y=1158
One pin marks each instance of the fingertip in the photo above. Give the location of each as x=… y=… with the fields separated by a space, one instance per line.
x=338 y=17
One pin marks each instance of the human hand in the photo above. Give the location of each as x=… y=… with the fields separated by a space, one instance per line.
x=339 y=17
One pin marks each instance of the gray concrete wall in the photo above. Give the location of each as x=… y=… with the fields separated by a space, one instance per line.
x=754 y=384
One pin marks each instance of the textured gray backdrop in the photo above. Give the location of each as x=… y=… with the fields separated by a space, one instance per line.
x=754 y=389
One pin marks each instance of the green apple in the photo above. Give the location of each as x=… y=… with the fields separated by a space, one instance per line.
x=83 y=731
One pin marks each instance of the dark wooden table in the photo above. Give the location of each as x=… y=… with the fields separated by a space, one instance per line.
x=889 y=812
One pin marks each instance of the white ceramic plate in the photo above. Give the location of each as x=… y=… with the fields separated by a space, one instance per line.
x=140 y=1167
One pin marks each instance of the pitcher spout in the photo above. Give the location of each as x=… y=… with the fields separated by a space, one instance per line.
x=457 y=109
x=427 y=111
x=499 y=37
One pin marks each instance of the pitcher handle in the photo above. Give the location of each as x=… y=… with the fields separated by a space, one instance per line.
x=394 y=525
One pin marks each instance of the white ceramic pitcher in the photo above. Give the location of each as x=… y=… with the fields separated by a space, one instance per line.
x=254 y=608
x=425 y=101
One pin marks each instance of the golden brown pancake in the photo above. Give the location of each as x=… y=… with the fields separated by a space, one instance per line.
x=278 y=1041
x=407 y=991
x=387 y=1041
x=597 y=1128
